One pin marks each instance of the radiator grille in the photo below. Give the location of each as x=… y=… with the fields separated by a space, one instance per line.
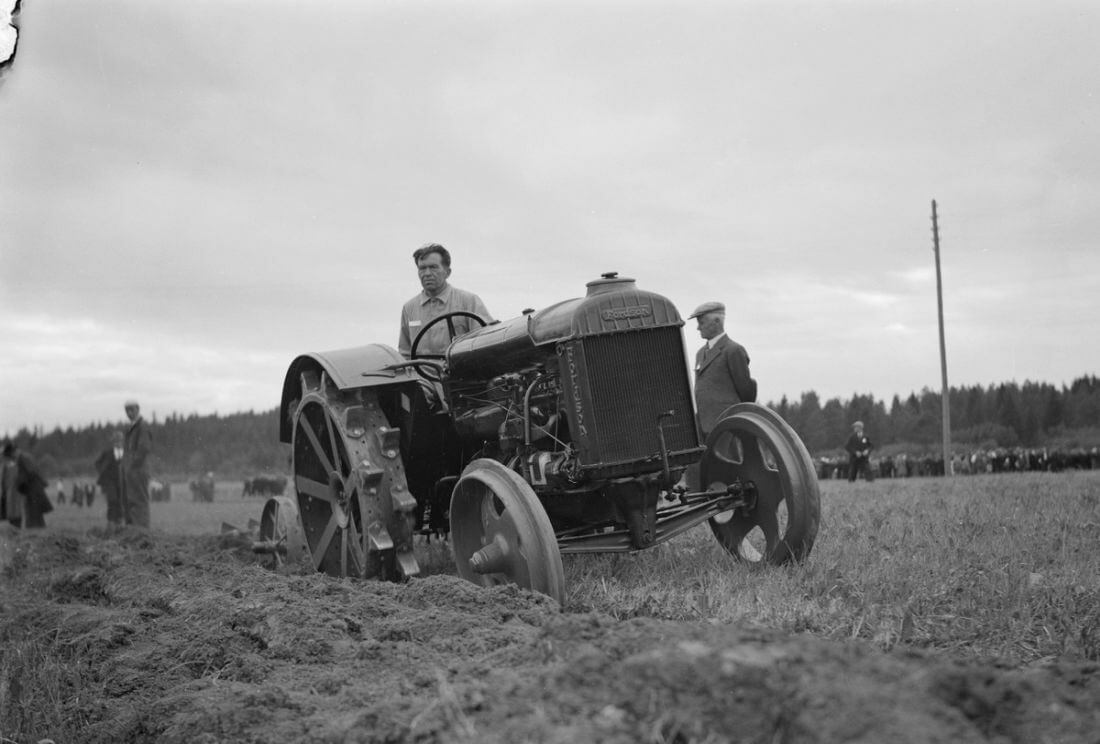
x=634 y=377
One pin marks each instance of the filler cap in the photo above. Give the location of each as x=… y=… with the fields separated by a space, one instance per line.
x=608 y=282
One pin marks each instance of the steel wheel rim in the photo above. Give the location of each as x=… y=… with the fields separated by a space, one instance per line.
x=752 y=443
x=494 y=512
x=280 y=527
x=273 y=529
x=327 y=491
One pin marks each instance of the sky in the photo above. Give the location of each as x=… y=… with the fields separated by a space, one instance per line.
x=193 y=194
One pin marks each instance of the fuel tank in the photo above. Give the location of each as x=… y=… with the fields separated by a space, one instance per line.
x=612 y=304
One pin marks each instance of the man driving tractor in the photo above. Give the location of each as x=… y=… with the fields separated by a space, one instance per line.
x=433 y=266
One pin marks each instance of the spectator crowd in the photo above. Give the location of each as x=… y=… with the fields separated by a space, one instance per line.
x=998 y=460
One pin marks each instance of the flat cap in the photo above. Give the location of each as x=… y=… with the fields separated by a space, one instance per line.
x=708 y=307
x=857 y=425
x=131 y=403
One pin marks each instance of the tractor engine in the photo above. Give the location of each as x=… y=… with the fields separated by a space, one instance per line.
x=580 y=393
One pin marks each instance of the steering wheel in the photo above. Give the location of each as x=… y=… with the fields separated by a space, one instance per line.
x=450 y=318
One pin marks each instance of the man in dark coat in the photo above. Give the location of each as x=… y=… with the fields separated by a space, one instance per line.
x=23 y=499
x=110 y=479
x=859 y=454
x=722 y=377
x=138 y=445
x=721 y=368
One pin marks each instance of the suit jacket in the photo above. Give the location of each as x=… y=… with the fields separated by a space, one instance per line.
x=721 y=379
x=858 y=445
x=109 y=470
x=139 y=443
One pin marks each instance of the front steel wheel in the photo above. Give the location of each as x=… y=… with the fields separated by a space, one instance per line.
x=752 y=444
x=501 y=533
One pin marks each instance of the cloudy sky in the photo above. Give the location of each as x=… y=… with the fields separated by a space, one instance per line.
x=191 y=194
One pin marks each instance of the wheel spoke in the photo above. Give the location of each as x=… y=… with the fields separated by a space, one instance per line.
x=726 y=461
x=324 y=541
x=724 y=472
x=492 y=520
x=768 y=521
x=485 y=509
x=344 y=551
x=769 y=489
x=280 y=532
x=310 y=487
x=315 y=443
x=330 y=425
x=754 y=455
x=737 y=530
x=355 y=549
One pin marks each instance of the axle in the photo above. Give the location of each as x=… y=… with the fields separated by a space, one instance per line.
x=687 y=510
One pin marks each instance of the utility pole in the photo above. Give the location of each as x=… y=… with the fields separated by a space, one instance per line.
x=948 y=470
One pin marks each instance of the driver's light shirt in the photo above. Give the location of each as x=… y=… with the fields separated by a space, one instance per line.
x=423 y=308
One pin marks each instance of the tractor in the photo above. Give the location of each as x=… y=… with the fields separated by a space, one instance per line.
x=564 y=430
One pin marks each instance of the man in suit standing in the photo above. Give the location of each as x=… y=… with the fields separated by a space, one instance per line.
x=109 y=467
x=138 y=445
x=721 y=368
x=721 y=377
x=859 y=454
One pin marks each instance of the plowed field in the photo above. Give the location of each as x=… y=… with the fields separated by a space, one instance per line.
x=134 y=636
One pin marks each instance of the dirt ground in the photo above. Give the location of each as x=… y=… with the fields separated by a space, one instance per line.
x=149 y=637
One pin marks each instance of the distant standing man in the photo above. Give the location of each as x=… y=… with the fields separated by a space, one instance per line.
x=433 y=265
x=721 y=368
x=859 y=454
x=23 y=499
x=110 y=480
x=138 y=444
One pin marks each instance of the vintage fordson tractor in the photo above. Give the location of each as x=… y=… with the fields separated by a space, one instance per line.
x=565 y=430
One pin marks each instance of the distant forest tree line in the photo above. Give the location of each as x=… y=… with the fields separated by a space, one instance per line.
x=1007 y=415
x=236 y=446
x=998 y=416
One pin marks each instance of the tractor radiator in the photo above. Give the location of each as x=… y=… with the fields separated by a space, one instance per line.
x=633 y=378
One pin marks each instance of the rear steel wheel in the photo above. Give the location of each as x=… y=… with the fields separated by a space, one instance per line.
x=752 y=443
x=501 y=533
x=356 y=512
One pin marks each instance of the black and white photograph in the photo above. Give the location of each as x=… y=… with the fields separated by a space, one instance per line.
x=672 y=372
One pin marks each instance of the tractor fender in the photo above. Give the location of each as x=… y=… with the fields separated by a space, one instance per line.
x=357 y=367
